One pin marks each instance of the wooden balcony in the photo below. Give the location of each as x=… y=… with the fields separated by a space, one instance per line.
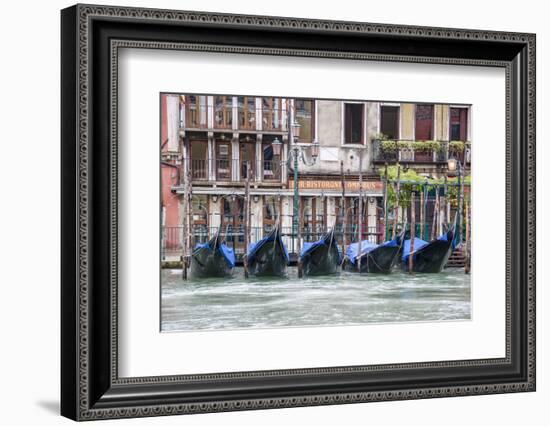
x=211 y=118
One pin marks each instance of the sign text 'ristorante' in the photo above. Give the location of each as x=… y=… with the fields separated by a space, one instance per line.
x=336 y=185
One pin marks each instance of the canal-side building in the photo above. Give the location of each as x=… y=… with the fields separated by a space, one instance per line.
x=219 y=142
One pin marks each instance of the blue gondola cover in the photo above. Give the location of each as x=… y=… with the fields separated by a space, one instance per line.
x=366 y=246
x=199 y=246
x=254 y=247
x=227 y=253
x=307 y=247
x=418 y=244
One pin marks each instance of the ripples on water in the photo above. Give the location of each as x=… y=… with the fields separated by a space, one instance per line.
x=345 y=299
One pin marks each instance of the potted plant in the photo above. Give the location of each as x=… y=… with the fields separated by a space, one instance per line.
x=426 y=146
x=380 y=137
x=388 y=146
x=456 y=146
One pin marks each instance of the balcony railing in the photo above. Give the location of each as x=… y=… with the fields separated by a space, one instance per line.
x=409 y=151
x=234 y=170
x=216 y=117
x=199 y=169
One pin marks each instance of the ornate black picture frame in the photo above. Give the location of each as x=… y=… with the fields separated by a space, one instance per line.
x=91 y=387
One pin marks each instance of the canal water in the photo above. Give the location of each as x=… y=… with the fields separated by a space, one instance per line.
x=344 y=299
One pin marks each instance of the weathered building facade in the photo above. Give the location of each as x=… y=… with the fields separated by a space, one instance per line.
x=219 y=142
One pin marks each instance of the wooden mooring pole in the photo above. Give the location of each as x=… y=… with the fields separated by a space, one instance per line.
x=187 y=211
x=413 y=234
x=436 y=216
x=467 y=237
x=184 y=234
x=189 y=218
x=246 y=219
x=343 y=208
x=360 y=213
x=422 y=212
x=299 y=232
x=447 y=204
x=396 y=209
x=386 y=202
x=460 y=202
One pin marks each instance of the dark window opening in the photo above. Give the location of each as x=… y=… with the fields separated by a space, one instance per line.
x=353 y=123
x=304 y=112
x=459 y=124
x=389 y=121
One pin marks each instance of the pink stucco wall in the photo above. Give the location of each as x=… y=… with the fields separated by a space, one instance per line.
x=169 y=178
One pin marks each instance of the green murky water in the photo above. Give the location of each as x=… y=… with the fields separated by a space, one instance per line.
x=345 y=299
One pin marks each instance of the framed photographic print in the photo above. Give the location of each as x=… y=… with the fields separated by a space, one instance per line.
x=263 y=212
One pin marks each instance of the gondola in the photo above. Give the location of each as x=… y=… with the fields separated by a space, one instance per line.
x=269 y=256
x=375 y=258
x=429 y=257
x=212 y=259
x=321 y=257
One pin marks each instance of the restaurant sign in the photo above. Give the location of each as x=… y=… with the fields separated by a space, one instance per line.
x=336 y=185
